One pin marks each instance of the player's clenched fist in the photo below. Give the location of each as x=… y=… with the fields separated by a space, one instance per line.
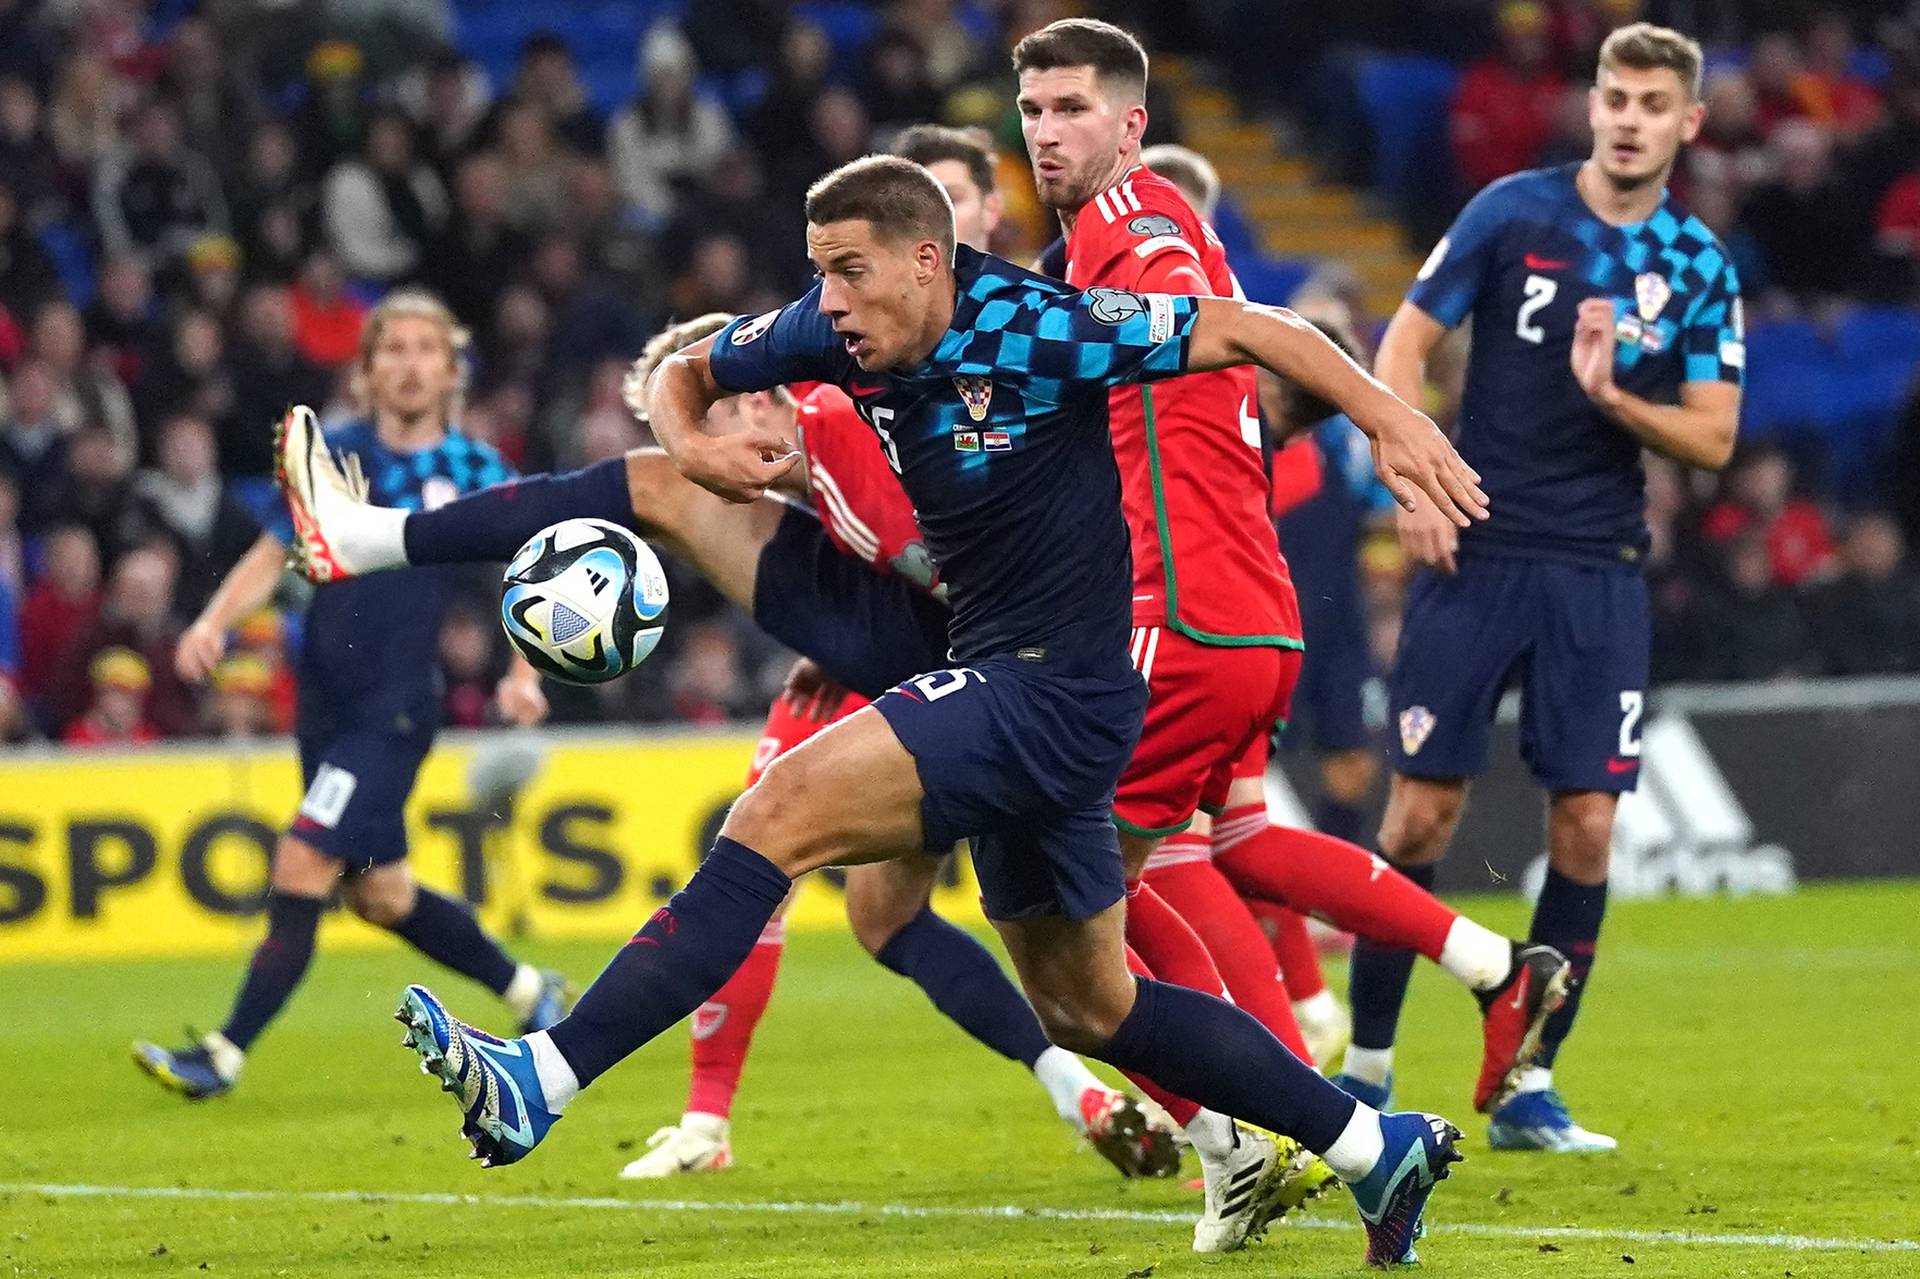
x=738 y=467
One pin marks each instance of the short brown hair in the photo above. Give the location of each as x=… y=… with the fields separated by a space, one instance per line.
x=929 y=144
x=1187 y=169
x=1645 y=47
x=899 y=198
x=669 y=341
x=1085 y=42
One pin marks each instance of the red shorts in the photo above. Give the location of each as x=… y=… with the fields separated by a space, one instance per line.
x=786 y=729
x=1209 y=710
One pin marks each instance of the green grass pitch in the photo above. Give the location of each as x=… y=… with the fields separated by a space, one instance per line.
x=1756 y=1058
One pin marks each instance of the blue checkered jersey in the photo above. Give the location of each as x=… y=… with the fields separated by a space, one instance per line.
x=1564 y=479
x=370 y=651
x=1000 y=439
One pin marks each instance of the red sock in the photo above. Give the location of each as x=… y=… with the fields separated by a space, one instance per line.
x=1293 y=947
x=1342 y=883
x=1207 y=902
x=722 y=1027
x=1180 y=1108
x=1167 y=944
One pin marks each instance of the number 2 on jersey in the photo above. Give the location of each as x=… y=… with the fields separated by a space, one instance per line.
x=1540 y=291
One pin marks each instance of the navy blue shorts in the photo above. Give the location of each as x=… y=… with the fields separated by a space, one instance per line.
x=357 y=785
x=868 y=630
x=1576 y=640
x=1022 y=756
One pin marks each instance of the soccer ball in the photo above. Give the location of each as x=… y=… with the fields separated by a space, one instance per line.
x=585 y=601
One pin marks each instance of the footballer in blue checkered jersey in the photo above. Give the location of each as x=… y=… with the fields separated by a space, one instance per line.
x=1606 y=320
x=369 y=703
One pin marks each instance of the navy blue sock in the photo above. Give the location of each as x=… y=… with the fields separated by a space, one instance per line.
x=1340 y=820
x=493 y=523
x=963 y=980
x=683 y=954
x=446 y=932
x=1378 y=977
x=1205 y=1049
x=279 y=962
x=1567 y=917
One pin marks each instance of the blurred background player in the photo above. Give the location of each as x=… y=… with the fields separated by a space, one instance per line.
x=369 y=708
x=1605 y=320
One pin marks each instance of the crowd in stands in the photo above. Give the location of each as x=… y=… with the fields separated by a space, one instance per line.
x=199 y=202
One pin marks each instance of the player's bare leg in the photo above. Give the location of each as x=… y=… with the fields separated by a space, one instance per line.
x=888 y=906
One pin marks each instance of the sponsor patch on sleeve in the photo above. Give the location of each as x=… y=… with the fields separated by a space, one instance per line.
x=1159 y=317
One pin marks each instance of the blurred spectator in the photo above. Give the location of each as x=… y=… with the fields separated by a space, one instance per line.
x=383 y=208
x=1572 y=137
x=26 y=158
x=614 y=245
x=33 y=448
x=1714 y=204
x=64 y=603
x=1730 y=152
x=85 y=390
x=474 y=261
x=1760 y=503
x=1897 y=234
x=735 y=202
x=196 y=80
x=1887 y=153
x=836 y=133
x=706 y=683
x=122 y=324
x=589 y=320
x=668 y=138
x=467 y=663
x=1834 y=95
x=82 y=119
x=137 y=614
x=186 y=497
x=189 y=376
x=27 y=278
x=1811 y=228
x=242 y=705
x=24 y=50
x=1759 y=631
x=517 y=352
x=213 y=275
x=154 y=195
x=275 y=205
x=447 y=99
x=13 y=549
x=716 y=278
x=331 y=122
x=953 y=48
x=1866 y=621
x=16 y=725
x=779 y=122
x=326 y=319
x=537 y=169
x=269 y=373
x=896 y=83
x=1503 y=111
x=548 y=79
x=116 y=716
x=98 y=492
x=261 y=636
x=1780 y=86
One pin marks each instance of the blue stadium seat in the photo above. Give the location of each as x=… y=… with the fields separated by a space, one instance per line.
x=1405 y=97
x=72 y=259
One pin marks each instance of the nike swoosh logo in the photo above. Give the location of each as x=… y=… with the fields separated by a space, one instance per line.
x=522 y=1132
x=1619 y=766
x=1537 y=263
x=865 y=392
x=1519 y=994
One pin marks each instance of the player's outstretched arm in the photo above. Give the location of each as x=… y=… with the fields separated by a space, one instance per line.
x=247 y=585
x=1699 y=430
x=1412 y=455
x=738 y=467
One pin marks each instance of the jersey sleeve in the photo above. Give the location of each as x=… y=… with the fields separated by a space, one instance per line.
x=1714 y=335
x=1450 y=280
x=1102 y=337
x=794 y=344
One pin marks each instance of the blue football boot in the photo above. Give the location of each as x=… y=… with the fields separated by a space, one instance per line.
x=188 y=1071
x=1539 y=1121
x=1378 y=1096
x=552 y=1005
x=1393 y=1197
x=504 y=1110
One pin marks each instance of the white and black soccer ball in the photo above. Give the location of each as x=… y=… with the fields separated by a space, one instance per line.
x=585 y=601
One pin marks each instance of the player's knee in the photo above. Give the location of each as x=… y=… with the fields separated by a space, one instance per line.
x=302 y=870
x=1419 y=822
x=383 y=906
x=1078 y=1018
x=1349 y=775
x=1581 y=829
x=771 y=818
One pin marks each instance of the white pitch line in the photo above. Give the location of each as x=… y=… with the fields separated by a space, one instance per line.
x=852 y=1208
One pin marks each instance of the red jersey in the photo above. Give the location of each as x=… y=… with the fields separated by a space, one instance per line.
x=856 y=494
x=1206 y=563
